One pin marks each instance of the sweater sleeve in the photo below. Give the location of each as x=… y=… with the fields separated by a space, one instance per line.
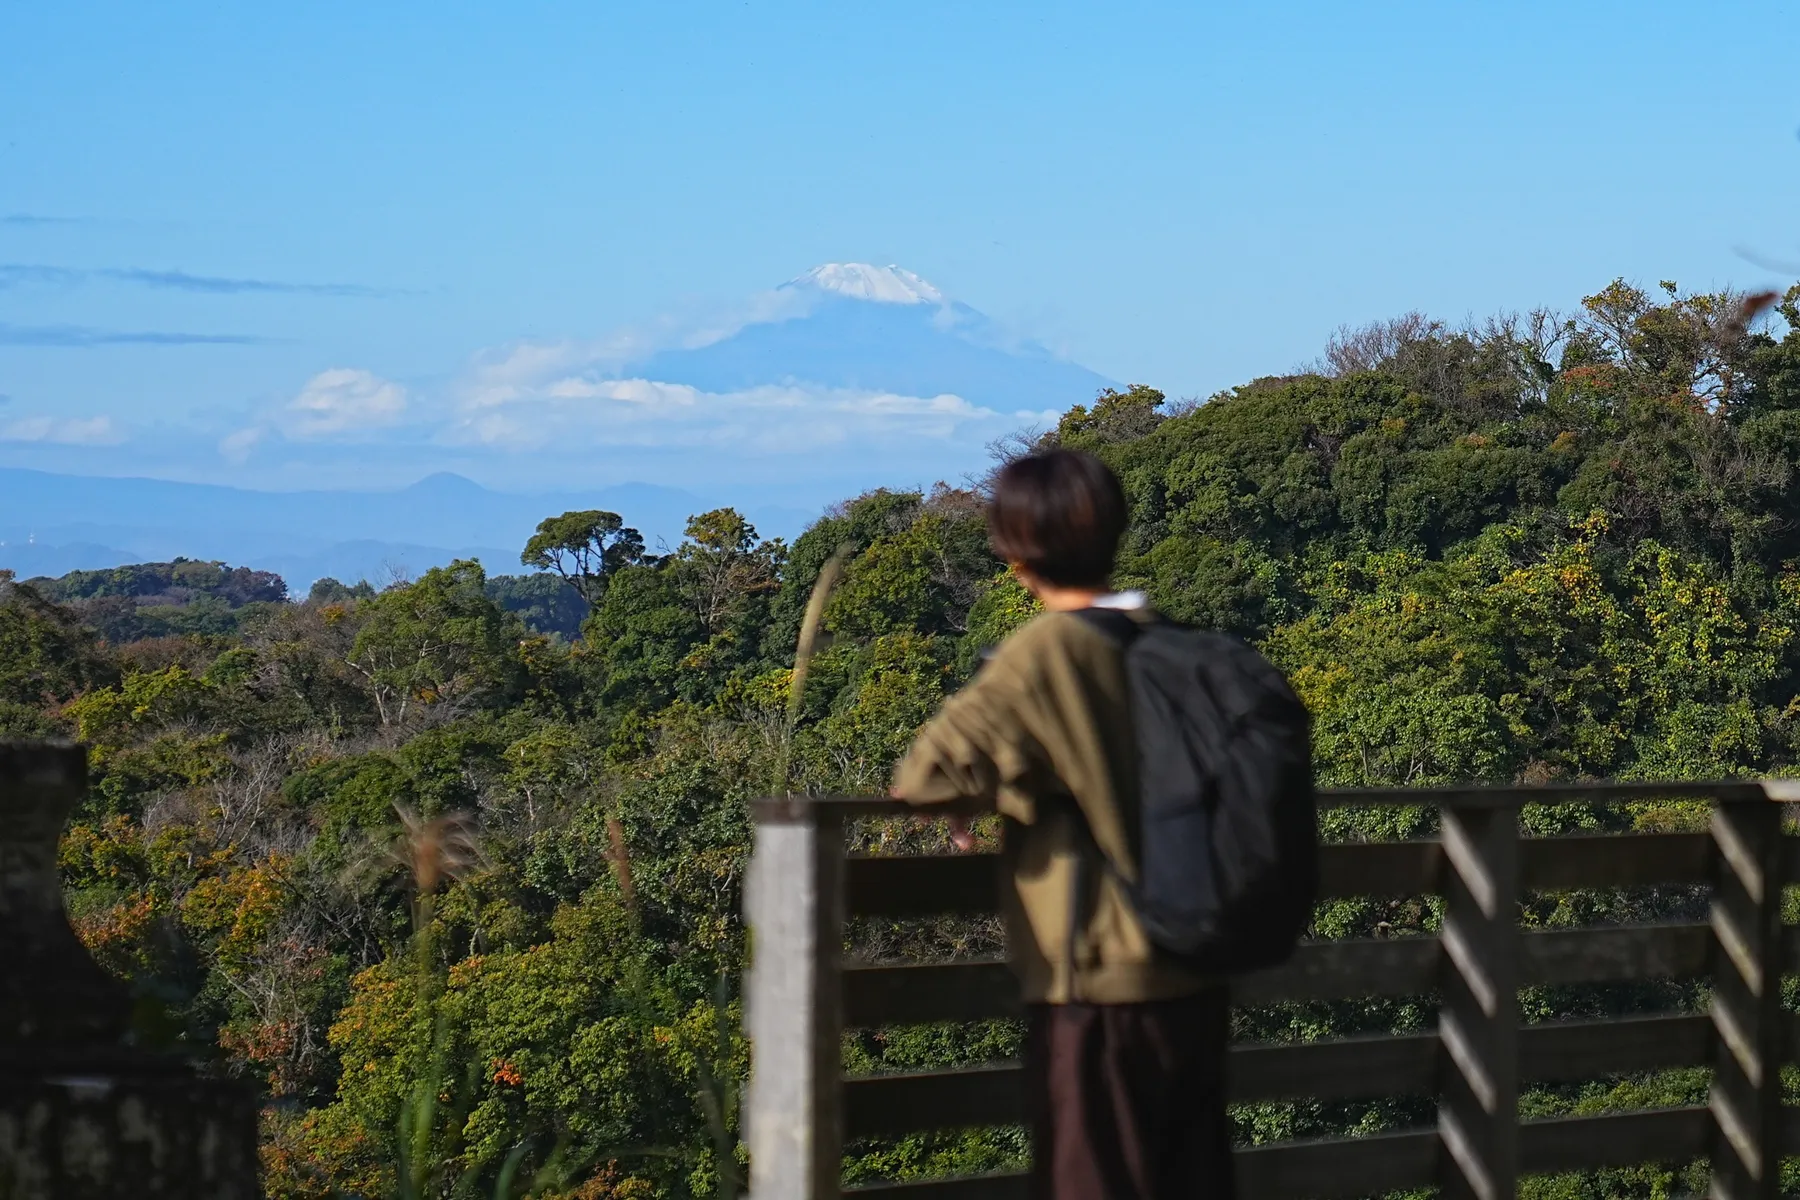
x=979 y=746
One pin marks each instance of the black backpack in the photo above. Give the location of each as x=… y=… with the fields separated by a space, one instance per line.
x=1229 y=824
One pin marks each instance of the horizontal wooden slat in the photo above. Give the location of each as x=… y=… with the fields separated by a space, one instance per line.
x=1614 y=860
x=1414 y=868
x=1334 y=970
x=1338 y=1167
x=1598 y=792
x=969 y=884
x=979 y=1187
x=1338 y=970
x=1559 y=1144
x=1545 y=864
x=1380 y=869
x=1563 y=956
x=1573 y=1050
x=922 y=886
x=897 y=995
x=1790 y=1116
x=802 y=808
x=1337 y=1069
x=919 y=995
x=891 y=1105
x=1363 y=1067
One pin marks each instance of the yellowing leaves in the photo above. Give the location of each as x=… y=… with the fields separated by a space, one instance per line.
x=1474 y=667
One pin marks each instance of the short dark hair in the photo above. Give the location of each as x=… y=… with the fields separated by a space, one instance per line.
x=1060 y=515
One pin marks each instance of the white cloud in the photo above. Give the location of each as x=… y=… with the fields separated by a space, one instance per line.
x=643 y=393
x=335 y=405
x=237 y=446
x=342 y=400
x=64 y=431
x=568 y=412
x=509 y=373
x=600 y=400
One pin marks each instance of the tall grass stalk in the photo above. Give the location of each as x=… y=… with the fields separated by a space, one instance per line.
x=803 y=655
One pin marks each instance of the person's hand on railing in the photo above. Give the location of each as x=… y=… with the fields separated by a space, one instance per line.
x=960 y=837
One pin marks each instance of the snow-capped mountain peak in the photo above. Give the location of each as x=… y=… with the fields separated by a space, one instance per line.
x=864 y=331
x=862 y=281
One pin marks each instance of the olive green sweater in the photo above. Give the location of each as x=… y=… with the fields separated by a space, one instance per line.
x=1047 y=721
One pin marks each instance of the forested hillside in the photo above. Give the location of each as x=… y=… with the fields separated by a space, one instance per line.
x=487 y=835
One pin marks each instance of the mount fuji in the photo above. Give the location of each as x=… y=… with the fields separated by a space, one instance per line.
x=865 y=328
x=847 y=377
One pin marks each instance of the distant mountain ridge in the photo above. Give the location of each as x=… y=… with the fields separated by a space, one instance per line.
x=51 y=524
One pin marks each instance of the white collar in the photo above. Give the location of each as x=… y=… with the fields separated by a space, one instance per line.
x=1126 y=601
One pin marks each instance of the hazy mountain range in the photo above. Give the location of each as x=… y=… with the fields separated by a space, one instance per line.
x=52 y=524
x=874 y=346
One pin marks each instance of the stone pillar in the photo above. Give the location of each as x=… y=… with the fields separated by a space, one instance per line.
x=84 y=1115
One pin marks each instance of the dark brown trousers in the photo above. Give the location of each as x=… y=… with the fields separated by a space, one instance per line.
x=1128 y=1100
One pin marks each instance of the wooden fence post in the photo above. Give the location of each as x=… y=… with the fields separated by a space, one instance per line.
x=794 y=903
x=1478 y=1025
x=1746 y=1002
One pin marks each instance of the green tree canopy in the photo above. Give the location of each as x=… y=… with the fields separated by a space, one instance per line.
x=586 y=548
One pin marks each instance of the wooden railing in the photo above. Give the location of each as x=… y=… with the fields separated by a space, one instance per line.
x=802 y=995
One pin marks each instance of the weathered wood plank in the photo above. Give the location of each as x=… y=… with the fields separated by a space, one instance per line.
x=1562 y=956
x=918 y=995
x=1558 y=1051
x=1353 y=967
x=1412 y=868
x=1664 y=1135
x=1338 y=1167
x=804 y=808
x=892 y=1105
x=978 y=1187
x=969 y=884
x=1407 y=1064
x=1336 y=1069
x=1511 y=796
x=922 y=886
x=1347 y=969
x=1614 y=860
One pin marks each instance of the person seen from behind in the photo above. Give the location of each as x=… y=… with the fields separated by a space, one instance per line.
x=1092 y=724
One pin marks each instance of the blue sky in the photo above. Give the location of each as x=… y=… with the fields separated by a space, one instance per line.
x=207 y=210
